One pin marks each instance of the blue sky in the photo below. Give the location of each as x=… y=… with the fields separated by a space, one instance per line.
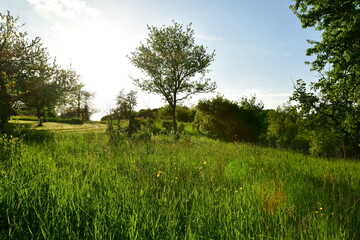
x=259 y=44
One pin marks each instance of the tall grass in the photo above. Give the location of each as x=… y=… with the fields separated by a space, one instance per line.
x=81 y=186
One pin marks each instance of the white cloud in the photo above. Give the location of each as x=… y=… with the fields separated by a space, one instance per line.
x=69 y=9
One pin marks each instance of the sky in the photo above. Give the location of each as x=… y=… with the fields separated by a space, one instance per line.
x=260 y=45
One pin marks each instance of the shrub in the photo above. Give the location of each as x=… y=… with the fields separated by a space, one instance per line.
x=231 y=121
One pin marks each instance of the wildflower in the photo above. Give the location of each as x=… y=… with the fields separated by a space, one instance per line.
x=159 y=173
x=320 y=208
x=236 y=191
x=316 y=212
x=241 y=188
x=205 y=162
x=332 y=213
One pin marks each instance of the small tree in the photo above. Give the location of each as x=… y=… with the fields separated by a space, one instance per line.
x=170 y=59
x=125 y=104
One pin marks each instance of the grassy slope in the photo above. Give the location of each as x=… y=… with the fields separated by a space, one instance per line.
x=78 y=186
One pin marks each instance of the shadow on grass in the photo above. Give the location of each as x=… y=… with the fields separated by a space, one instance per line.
x=331 y=197
x=26 y=131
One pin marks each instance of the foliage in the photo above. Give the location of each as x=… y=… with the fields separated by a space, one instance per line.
x=48 y=90
x=170 y=59
x=325 y=143
x=21 y=60
x=287 y=129
x=148 y=113
x=334 y=99
x=125 y=104
x=231 y=121
x=28 y=80
x=78 y=186
x=183 y=113
x=78 y=102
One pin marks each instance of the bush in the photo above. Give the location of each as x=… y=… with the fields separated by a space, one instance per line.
x=183 y=113
x=167 y=125
x=325 y=143
x=231 y=121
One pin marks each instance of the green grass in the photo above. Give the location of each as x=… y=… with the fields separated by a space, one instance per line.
x=29 y=125
x=81 y=186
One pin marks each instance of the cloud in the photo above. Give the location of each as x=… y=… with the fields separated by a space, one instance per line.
x=68 y=9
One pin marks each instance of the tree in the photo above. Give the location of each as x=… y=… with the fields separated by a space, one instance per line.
x=20 y=61
x=170 y=59
x=231 y=121
x=78 y=102
x=48 y=89
x=334 y=99
x=125 y=104
x=286 y=129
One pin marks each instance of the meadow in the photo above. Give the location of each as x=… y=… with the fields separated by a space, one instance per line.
x=81 y=185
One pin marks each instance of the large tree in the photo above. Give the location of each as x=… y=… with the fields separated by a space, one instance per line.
x=49 y=89
x=171 y=60
x=334 y=98
x=20 y=60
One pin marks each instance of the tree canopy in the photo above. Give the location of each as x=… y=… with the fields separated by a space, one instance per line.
x=21 y=61
x=171 y=60
x=334 y=98
x=28 y=78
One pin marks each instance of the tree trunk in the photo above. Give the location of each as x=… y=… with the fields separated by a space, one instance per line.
x=39 y=117
x=78 y=110
x=40 y=122
x=173 y=108
x=5 y=107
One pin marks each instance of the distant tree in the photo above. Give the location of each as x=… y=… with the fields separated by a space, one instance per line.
x=231 y=121
x=125 y=104
x=170 y=59
x=20 y=61
x=334 y=99
x=148 y=113
x=78 y=103
x=125 y=108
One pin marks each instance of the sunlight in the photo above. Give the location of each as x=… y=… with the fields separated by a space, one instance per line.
x=97 y=50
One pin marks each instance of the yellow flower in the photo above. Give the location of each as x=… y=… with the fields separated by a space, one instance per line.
x=241 y=188
x=316 y=212
x=320 y=208
x=159 y=173
x=205 y=162
x=236 y=191
x=332 y=213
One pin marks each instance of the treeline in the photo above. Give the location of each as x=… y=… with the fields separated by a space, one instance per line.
x=241 y=121
x=32 y=83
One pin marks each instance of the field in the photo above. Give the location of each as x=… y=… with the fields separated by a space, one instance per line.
x=80 y=185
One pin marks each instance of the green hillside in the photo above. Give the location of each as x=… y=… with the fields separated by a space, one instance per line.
x=83 y=186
